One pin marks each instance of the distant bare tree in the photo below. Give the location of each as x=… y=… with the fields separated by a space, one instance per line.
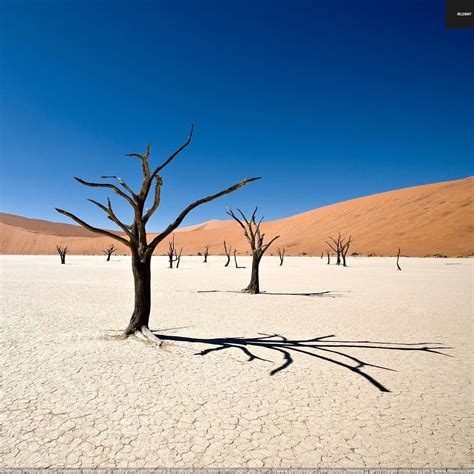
x=329 y=257
x=336 y=246
x=341 y=246
x=344 y=250
x=63 y=251
x=281 y=255
x=322 y=254
x=109 y=251
x=227 y=253
x=235 y=260
x=398 y=258
x=172 y=257
x=255 y=239
x=178 y=257
x=205 y=253
x=135 y=235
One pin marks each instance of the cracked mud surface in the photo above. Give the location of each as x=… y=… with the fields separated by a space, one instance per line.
x=76 y=395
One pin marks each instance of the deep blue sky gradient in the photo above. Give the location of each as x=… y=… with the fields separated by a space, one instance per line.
x=327 y=101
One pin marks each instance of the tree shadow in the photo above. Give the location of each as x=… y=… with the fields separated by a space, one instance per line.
x=331 y=351
x=320 y=294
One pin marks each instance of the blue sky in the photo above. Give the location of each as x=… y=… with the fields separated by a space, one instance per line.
x=327 y=101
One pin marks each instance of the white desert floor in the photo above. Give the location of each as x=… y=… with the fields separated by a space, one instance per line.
x=357 y=385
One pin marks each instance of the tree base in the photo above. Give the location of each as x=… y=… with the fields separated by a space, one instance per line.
x=252 y=291
x=145 y=334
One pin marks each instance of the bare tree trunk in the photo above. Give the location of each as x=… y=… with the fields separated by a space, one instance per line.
x=142 y=279
x=281 y=254
x=254 y=285
x=235 y=259
x=344 y=260
x=108 y=257
x=205 y=253
x=329 y=258
x=227 y=253
x=398 y=258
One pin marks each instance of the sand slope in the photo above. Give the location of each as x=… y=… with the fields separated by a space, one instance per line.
x=422 y=220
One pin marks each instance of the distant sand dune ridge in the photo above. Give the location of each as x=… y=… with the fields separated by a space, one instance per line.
x=421 y=220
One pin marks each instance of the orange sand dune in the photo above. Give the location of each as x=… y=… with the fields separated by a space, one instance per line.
x=422 y=220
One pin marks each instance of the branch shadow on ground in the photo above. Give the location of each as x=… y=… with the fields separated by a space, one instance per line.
x=321 y=348
x=320 y=294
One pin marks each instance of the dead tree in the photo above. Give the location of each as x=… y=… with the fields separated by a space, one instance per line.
x=336 y=246
x=344 y=251
x=172 y=257
x=235 y=260
x=62 y=250
x=109 y=251
x=255 y=239
x=227 y=253
x=205 y=253
x=178 y=257
x=281 y=254
x=322 y=254
x=134 y=236
x=398 y=258
x=329 y=257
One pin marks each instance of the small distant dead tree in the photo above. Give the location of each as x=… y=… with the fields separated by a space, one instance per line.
x=322 y=255
x=398 y=258
x=134 y=235
x=235 y=260
x=227 y=253
x=205 y=253
x=281 y=255
x=341 y=246
x=336 y=246
x=345 y=249
x=178 y=257
x=109 y=251
x=255 y=239
x=329 y=257
x=172 y=256
x=62 y=250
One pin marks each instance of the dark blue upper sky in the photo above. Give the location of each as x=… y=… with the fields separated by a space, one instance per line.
x=327 y=101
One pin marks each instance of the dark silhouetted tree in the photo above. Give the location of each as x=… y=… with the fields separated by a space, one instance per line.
x=255 y=239
x=344 y=250
x=109 y=251
x=227 y=254
x=135 y=236
x=63 y=251
x=172 y=256
x=329 y=257
x=398 y=258
x=281 y=255
x=235 y=260
x=336 y=246
x=205 y=253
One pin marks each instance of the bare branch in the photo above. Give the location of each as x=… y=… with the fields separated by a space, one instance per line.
x=93 y=229
x=174 y=154
x=195 y=204
x=111 y=215
x=144 y=160
x=109 y=186
x=123 y=184
x=156 y=200
x=265 y=247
